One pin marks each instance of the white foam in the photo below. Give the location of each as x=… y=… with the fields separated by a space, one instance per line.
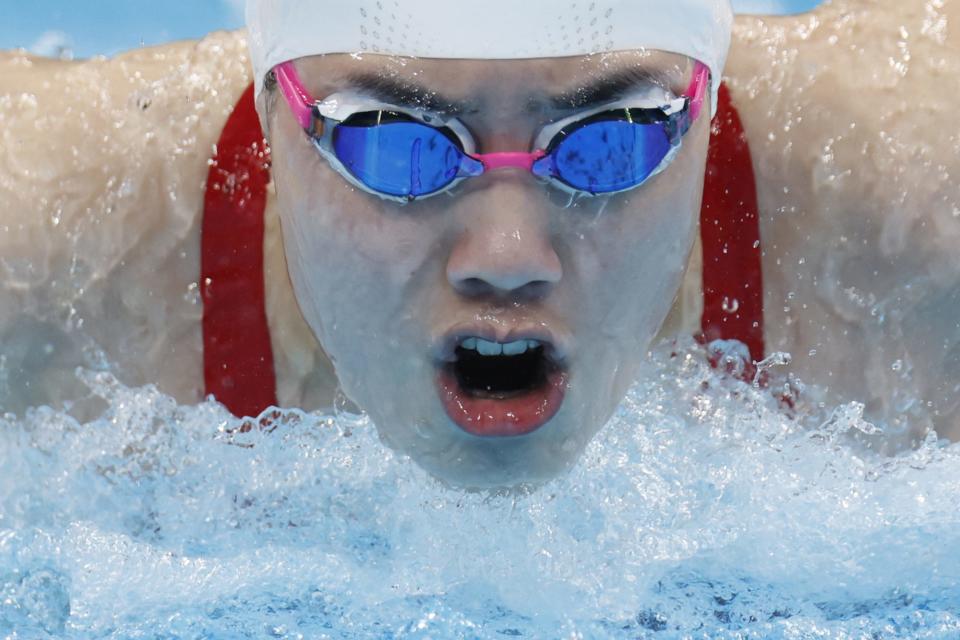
x=702 y=510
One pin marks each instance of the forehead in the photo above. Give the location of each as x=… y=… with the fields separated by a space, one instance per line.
x=474 y=81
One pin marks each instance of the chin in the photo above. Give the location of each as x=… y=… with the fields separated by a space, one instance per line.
x=470 y=462
x=419 y=424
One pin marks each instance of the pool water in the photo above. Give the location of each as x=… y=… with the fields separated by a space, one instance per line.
x=706 y=508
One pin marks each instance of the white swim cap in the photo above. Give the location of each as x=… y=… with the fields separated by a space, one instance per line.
x=282 y=30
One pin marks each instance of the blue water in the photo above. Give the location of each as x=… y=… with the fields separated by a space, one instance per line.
x=107 y=27
x=706 y=508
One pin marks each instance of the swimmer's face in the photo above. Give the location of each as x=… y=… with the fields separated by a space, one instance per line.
x=395 y=292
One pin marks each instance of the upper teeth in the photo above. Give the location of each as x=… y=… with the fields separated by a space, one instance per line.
x=488 y=348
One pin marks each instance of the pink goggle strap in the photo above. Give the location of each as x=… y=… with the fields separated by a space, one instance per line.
x=697 y=90
x=301 y=103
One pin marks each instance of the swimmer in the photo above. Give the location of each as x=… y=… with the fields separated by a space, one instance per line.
x=510 y=275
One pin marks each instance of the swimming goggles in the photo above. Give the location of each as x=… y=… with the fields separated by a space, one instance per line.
x=403 y=154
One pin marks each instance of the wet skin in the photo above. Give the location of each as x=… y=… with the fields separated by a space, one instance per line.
x=381 y=284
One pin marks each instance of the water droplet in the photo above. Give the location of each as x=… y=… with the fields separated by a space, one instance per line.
x=730 y=305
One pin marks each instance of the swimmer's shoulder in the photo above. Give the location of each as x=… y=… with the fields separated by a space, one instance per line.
x=200 y=69
x=850 y=116
x=102 y=168
x=97 y=154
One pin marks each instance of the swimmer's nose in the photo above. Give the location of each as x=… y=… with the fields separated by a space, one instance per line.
x=505 y=251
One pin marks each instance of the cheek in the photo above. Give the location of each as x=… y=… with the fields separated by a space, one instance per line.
x=355 y=260
x=640 y=247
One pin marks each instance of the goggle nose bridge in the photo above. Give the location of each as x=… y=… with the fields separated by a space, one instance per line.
x=508 y=159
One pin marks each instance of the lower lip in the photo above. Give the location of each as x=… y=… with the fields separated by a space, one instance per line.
x=499 y=417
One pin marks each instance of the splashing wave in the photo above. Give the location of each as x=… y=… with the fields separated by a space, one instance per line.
x=706 y=508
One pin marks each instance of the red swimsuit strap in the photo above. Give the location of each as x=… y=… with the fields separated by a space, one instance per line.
x=237 y=355
x=238 y=358
x=730 y=235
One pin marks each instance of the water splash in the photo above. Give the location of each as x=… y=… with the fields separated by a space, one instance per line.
x=703 y=509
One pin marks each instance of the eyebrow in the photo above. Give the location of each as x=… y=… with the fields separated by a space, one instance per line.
x=603 y=89
x=404 y=93
x=609 y=87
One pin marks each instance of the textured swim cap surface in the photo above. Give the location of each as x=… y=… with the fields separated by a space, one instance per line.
x=282 y=30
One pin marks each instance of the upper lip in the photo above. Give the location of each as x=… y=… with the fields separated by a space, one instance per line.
x=556 y=345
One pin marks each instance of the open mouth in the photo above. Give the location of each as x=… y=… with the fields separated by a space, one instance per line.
x=491 y=388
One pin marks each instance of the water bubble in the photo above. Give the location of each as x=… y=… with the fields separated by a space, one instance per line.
x=730 y=305
x=775 y=359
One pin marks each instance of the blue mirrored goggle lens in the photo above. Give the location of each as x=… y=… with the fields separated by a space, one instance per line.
x=398 y=158
x=610 y=155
